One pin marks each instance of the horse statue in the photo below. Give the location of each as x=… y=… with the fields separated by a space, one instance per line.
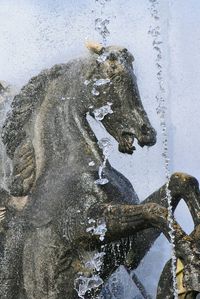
x=68 y=218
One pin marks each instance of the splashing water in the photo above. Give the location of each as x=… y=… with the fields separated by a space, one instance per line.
x=95 y=92
x=91 y=163
x=100 y=82
x=84 y=284
x=86 y=82
x=101 y=112
x=102 y=58
x=96 y=261
x=106 y=145
x=97 y=82
x=98 y=228
x=155 y=32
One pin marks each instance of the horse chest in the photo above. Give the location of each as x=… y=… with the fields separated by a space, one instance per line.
x=119 y=189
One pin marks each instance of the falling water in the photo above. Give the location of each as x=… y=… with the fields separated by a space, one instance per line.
x=99 y=114
x=92 y=261
x=97 y=227
x=155 y=32
x=106 y=146
x=101 y=24
x=84 y=284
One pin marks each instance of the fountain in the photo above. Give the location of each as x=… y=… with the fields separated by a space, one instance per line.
x=68 y=219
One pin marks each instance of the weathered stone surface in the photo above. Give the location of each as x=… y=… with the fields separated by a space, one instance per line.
x=7 y=92
x=49 y=228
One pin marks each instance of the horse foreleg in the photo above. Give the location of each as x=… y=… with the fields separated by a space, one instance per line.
x=122 y=221
x=181 y=186
x=186 y=187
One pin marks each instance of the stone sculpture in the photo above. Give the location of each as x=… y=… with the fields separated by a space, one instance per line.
x=54 y=217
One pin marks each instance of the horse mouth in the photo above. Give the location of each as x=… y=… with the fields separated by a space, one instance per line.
x=126 y=143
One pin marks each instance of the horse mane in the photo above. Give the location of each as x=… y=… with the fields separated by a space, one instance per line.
x=19 y=146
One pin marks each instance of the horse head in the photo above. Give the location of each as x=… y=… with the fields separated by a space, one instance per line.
x=113 y=93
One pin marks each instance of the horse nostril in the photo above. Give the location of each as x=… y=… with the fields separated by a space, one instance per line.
x=148 y=135
x=145 y=129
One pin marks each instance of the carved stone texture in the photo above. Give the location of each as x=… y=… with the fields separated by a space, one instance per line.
x=55 y=217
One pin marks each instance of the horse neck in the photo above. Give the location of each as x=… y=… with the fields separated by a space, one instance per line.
x=86 y=143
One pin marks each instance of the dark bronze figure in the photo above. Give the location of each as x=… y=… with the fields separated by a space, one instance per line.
x=55 y=218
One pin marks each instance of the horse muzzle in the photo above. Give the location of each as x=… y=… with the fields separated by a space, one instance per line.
x=146 y=137
x=126 y=143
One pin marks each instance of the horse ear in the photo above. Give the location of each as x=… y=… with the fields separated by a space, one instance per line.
x=95 y=47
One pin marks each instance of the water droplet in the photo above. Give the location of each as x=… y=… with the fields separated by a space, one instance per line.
x=95 y=92
x=101 y=112
x=91 y=221
x=100 y=82
x=96 y=261
x=98 y=229
x=101 y=181
x=155 y=32
x=83 y=284
x=86 y=82
x=91 y=163
x=106 y=145
x=101 y=27
x=102 y=58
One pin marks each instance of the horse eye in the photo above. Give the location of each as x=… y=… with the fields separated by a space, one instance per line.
x=125 y=50
x=112 y=56
x=118 y=78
